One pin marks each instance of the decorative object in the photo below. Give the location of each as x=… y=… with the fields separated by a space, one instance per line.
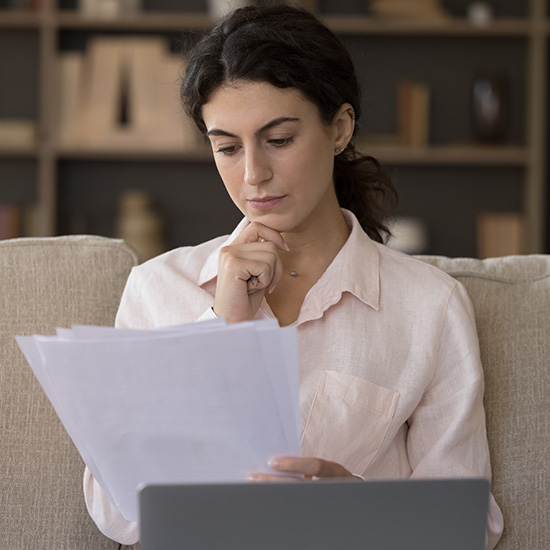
x=490 y=106
x=479 y=12
x=409 y=235
x=219 y=8
x=109 y=8
x=140 y=225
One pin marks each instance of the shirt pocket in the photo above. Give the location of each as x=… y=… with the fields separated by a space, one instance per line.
x=348 y=420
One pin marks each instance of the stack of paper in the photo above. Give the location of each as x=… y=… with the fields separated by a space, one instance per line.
x=196 y=403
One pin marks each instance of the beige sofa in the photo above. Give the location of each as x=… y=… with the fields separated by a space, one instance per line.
x=53 y=282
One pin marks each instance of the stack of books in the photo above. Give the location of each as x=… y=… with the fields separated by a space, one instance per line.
x=123 y=94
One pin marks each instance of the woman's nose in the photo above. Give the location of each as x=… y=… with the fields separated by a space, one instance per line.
x=257 y=168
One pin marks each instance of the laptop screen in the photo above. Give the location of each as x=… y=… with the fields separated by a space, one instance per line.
x=322 y=515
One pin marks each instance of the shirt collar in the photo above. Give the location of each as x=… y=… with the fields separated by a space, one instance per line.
x=356 y=268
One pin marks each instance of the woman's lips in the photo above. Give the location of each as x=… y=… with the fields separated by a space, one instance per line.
x=265 y=203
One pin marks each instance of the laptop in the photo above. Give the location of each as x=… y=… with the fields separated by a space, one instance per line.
x=321 y=515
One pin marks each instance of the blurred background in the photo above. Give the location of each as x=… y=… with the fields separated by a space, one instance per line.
x=455 y=97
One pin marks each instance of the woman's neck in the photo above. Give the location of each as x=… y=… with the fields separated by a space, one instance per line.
x=309 y=256
x=312 y=250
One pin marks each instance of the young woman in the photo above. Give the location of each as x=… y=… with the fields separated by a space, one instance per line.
x=391 y=384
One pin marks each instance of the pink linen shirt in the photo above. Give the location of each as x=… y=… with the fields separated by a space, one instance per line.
x=391 y=384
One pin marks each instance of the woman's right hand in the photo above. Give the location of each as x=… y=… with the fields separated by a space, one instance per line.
x=248 y=267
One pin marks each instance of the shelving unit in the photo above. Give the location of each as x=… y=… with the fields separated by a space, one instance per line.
x=522 y=157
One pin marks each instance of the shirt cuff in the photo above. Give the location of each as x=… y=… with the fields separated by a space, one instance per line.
x=208 y=315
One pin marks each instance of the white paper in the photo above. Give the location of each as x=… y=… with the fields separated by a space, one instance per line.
x=206 y=402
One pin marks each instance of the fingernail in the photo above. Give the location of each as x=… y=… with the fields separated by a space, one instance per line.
x=272 y=289
x=287 y=248
x=273 y=463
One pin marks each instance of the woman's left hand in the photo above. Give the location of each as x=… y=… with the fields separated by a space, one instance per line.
x=312 y=469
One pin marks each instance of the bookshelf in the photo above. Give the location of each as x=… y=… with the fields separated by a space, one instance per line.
x=451 y=165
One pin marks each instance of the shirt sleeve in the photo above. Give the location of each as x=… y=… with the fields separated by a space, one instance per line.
x=105 y=515
x=447 y=435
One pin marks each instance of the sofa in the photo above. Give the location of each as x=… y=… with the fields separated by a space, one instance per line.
x=51 y=282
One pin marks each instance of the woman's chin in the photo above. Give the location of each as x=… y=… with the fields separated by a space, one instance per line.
x=272 y=222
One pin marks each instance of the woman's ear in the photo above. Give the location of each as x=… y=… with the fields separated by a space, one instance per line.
x=344 y=124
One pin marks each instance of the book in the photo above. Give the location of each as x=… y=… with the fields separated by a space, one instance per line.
x=179 y=131
x=70 y=74
x=100 y=91
x=500 y=234
x=413 y=112
x=17 y=133
x=145 y=60
x=9 y=221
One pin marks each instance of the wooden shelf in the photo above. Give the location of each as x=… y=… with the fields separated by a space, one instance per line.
x=198 y=21
x=133 y=155
x=450 y=155
x=145 y=21
x=7 y=151
x=443 y=27
x=440 y=155
x=12 y=19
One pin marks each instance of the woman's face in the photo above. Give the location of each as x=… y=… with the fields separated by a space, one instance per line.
x=273 y=153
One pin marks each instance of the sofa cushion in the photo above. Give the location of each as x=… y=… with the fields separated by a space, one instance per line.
x=46 y=283
x=511 y=298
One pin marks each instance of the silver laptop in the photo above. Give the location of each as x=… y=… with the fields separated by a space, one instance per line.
x=322 y=515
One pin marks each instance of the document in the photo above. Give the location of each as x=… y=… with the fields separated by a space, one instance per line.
x=205 y=402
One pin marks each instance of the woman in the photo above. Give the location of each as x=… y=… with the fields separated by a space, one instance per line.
x=390 y=378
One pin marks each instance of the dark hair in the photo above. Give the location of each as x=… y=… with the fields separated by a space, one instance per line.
x=290 y=48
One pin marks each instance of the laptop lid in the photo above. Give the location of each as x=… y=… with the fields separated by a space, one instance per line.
x=322 y=515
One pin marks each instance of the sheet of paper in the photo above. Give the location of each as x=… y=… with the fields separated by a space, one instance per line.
x=88 y=332
x=185 y=404
x=30 y=347
x=283 y=385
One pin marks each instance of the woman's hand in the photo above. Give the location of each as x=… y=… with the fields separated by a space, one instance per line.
x=311 y=468
x=248 y=267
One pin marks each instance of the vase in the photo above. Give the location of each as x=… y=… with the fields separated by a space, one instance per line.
x=490 y=107
x=219 y=8
x=480 y=13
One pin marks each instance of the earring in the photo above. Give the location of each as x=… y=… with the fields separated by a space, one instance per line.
x=338 y=150
x=352 y=113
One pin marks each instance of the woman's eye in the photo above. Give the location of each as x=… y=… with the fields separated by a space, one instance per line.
x=227 y=151
x=281 y=142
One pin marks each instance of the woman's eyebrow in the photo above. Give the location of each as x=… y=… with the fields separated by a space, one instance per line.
x=264 y=128
x=276 y=122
